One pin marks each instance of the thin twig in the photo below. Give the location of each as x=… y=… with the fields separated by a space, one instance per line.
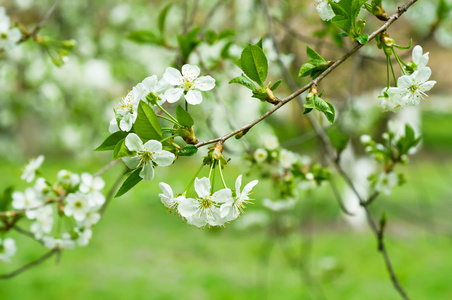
x=110 y=194
x=31 y=264
x=106 y=167
x=212 y=13
x=12 y=213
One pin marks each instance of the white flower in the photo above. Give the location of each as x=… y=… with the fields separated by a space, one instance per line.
x=65 y=242
x=365 y=139
x=260 y=155
x=91 y=219
x=418 y=58
x=411 y=88
x=280 y=205
x=148 y=156
x=391 y=100
x=151 y=84
x=83 y=236
x=8 y=37
x=30 y=169
x=7 y=249
x=89 y=183
x=385 y=182
x=42 y=188
x=271 y=142
x=324 y=9
x=68 y=178
x=310 y=176
x=44 y=222
x=77 y=205
x=205 y=209
x=231 y=210
x=167 y=197
x=126 y=112
x=187 y=83
x=27 y=200
x=287 y=159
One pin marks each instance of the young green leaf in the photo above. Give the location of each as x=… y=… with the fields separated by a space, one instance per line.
x=147 y=125
x=362 y=39
x=254 y=64
x=144 y=37
x=6 y=198
x=313 y=55
x=121 y=150
x=275 y=85
x=184 y=117
x=330 y=115
x=129 y=183
x=189 y=42
x=188 y=150
x=162 y=17
x=111 y=141
x=243 y=80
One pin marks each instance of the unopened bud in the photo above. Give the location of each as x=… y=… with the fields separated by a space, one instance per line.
x=218 y=151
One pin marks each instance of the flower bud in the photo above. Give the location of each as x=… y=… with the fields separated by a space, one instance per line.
x=218 y=151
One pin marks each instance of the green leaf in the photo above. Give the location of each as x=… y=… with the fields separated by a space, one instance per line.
x=129 y=183
x=254 y=64
x=226 y=33
x=238 y=63
x=144 y=37
x=121 y=150
x=243 y=80
x=330 y=115
x=356 y=8
x=147 y=125
x=275 y=85
x=259 y=44
x=343 y=8
x=342 y=22
x=184 y=117
x=188 y=150
x=338 y=138
x=162 y=17
x=260 y=95
x=362 y=39
x=210 y=37
x=6 y=198
x=189 y=42
x=312 y=55
x=111 y=141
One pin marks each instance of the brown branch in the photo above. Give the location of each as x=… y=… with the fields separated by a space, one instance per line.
x=292 y=96
x=31 y=264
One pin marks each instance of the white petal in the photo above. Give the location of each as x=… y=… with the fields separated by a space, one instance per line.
x=404 y=82
x=147 y=173
x=427 y=86
x=193 y=97
x=153 y=146
x=131 y=161
x=113 y=126
x=222 y=196
x=204 y=83
x=190 y=72
x=173 y=94
x=238 y=184
x=173 y=76
x=166 y=190
x=247 y=189
x=133 y=142
x=417 y=54
x=202 y=187
x=422 y=75
x=163 y=158
x=188 y=207
x=98 y=183
x=149 y=83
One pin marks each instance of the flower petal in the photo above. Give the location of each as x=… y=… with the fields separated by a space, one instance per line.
x=113 y=126
x=133 y=142
x=247 y=189
x=427 y=86
x=422 y=75
x=190 y=72
x=417 y=54
x=149 y=83
x=131 y=161
x=223 y=196
x=163 y=158
x=166 y=190
x=188 y=207
x=404 y=82
x=153 y=146
x=147 y=173
x=204 y=83
x=238 y=184
x=202 y=187
x=173 y=76
x=173 y=94
x=193 y=97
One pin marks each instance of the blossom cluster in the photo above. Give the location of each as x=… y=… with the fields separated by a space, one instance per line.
x=78 y=199
x=411 y=86
x=215 y=209
x=170 y=88
x=8 y=36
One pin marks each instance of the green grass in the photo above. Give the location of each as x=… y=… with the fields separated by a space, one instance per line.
x=138 y=251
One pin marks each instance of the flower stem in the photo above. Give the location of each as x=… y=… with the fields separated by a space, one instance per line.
x=193 y=179
x=167 y=138
x=186 y=105
x=222 y=178
x=168 y=114
x=399 y=61
x=168 y=119
x=393 y=74
x=212 y=188
x=387 y=71
x=210 y=172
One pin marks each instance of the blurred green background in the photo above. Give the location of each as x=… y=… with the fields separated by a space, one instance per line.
x=139 y=251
